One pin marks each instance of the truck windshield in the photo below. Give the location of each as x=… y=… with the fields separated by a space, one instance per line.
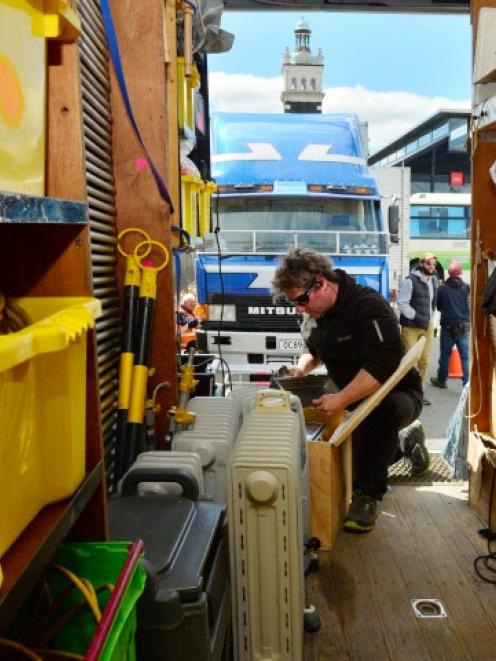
x=278 y=224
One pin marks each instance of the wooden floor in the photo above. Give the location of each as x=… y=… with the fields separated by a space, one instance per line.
x=423 y=546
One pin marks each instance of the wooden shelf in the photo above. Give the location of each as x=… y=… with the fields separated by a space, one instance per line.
x=26 y=560
x=25 y=209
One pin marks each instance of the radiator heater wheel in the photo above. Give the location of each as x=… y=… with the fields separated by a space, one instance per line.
x=311 y=620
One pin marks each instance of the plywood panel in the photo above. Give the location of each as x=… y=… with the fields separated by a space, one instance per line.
x=327 y=492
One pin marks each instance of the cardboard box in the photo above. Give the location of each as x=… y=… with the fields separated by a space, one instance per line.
x=481 y=458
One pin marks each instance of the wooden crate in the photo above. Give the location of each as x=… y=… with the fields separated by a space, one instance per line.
x=327 y=488
x=481 y=454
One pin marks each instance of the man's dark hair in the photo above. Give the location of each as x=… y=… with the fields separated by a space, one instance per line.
x=299 y=268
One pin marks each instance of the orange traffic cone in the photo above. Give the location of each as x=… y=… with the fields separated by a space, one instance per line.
x=455 y=370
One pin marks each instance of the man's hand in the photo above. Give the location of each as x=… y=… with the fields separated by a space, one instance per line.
x=295 y=371
x=328 y=404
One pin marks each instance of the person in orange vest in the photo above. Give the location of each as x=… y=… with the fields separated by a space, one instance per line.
x=186 y=322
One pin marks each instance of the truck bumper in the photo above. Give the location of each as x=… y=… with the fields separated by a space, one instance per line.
x=241 y=348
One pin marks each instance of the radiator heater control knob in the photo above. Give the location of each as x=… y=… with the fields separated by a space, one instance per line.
x=261 y=486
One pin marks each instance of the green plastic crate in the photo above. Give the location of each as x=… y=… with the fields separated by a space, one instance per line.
x=99 y=563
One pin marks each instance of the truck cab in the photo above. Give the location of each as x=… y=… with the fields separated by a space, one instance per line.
x=284 y=182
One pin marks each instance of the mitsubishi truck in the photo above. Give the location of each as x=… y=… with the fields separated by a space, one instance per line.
x=283 y=181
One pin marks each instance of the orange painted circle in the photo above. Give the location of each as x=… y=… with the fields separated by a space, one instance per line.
x=11 y=97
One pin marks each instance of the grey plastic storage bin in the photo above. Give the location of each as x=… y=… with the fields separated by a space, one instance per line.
x=185 y=611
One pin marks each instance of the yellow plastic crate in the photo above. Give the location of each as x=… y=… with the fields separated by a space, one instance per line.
x=186 y=86
x=24 y=28
x=191 y=186
x=205 y=220
x=42 y=409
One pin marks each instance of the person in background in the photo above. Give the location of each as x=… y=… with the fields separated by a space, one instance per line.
x=355 y=334
x=452 y=303
x=186 y=322
x=417 y=304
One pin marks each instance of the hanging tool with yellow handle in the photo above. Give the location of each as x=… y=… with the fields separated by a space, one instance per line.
x=129 y=313
x=146 y=307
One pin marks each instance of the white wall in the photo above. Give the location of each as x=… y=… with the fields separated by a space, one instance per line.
x=396 y=181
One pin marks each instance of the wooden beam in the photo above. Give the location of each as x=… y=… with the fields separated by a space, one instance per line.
x=139 y=27
x=65 y=171
x=483 y=238
x=483 y=233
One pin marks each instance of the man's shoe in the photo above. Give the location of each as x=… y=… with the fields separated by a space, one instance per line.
x=415 y=449
x=361 y=514
x=426 y=402
x=437 y=383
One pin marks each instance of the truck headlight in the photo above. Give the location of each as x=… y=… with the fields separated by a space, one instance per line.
x=228 y=312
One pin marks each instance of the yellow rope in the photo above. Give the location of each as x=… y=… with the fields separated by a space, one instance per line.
x=12 y=317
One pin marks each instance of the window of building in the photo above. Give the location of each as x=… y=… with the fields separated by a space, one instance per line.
x=313 y=84
x=303 y=84
x=458 y=134
x=440 y=131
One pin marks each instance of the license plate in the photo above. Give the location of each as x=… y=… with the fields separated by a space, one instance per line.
x=290 y=345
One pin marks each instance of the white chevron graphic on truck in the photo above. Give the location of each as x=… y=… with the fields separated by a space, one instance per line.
x=259 y=151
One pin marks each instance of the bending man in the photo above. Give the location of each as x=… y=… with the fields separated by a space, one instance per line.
x=356 y=336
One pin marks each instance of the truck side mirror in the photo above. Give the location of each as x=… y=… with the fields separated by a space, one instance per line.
x=394 y=222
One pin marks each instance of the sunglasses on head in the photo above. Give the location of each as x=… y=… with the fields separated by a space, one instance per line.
x=302 y=299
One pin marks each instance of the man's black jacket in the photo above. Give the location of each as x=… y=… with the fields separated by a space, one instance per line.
x=360 y=331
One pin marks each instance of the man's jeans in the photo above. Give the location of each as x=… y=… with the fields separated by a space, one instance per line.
x=375 y=441
x=446 y=345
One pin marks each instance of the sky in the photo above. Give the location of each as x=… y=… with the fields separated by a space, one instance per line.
x=393 y=70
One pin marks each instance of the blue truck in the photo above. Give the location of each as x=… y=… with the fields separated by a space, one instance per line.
x=284 y=181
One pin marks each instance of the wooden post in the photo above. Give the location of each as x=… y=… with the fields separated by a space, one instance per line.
x=483 y=242
x=140 y=31
x=483 y=233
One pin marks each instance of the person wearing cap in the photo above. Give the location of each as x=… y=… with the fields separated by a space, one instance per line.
x=452 y=303
x=417 y=304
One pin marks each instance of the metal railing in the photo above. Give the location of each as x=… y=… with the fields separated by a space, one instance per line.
x=347 y=242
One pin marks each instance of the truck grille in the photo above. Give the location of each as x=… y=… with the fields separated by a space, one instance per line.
x=257 y=313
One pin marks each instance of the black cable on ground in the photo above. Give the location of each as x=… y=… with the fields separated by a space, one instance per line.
x=487 y=562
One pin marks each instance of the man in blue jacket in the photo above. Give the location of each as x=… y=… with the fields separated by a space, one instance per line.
x=452 y=303
x=355 y=335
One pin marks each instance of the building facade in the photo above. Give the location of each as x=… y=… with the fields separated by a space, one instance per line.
x=437 y=151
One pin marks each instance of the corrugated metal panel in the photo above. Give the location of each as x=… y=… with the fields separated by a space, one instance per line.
x=97 y=129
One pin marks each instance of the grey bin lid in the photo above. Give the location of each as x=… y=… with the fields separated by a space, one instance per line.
x=307 y=388
x=178 y=536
